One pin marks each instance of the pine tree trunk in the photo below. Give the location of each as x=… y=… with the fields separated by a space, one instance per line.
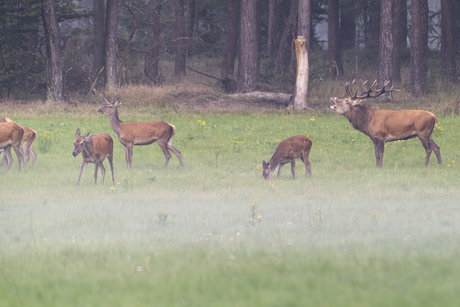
x=181 y=43
x=153 y=41
x=387 y=42
x=397 y=33
x=283 y=55
x=228 y=63
x=301 y=85
x=333 y=38
x=248 y=56
x=278 y=12
x=448 y=40
x=99 y=34
x=55 y=86
x=418 y=46
x=111 y=47
x=189 y=20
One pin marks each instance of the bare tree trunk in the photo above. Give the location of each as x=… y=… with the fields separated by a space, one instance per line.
x=283 y=55
x=348 y=24
x=304 y=20
x=153 y=40
x=403 y=24
x=333 y=38
x=248 y=56
x=278 y=12
x=111 y=47
x=397 y=33
x=387 y=42
x=55 y=86
x=99 y=34
x=228 y=63
x=299 y=101
x=181 y=43
x=418 y=46
x=448 y=40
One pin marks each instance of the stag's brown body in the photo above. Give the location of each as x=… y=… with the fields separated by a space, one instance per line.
x=11 y=136
x=28 y=138
x=287 y=151
x=94 y=150
x=132 y=133
x=386 y=125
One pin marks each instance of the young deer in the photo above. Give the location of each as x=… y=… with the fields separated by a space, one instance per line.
x=28 y=138
x=287 y=151
x=94 y=150
x=141 y=133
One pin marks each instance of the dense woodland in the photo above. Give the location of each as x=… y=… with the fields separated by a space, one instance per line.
x=53 y=50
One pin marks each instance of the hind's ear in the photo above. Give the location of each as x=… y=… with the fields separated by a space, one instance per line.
x=77 y=134
x=264 y=164
x=86 y=135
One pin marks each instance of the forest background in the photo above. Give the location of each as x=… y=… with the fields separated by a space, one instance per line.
x=60 y=50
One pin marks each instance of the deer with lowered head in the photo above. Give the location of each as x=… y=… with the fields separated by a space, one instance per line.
x=287 y=151
x=11 y=136
x=94 y=149
x=28 y=138
x=383 y=126
x=132 y=133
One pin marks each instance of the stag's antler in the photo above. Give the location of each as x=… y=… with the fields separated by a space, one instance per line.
x=367 y=94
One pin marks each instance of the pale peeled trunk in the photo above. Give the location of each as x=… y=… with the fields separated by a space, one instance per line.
x=299 y=101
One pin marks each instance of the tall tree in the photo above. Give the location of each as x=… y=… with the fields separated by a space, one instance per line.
x=448 y=39
x=418 y=46
x=333 y=37
x=55 y=85
x=389 y=21
x=398 y=29
x=189 y=21
x=153 y=40
x=228 y=62
x=347 y=24
x=180 y=42
x=403 y=24
x=111 y=47
x=278 y=12
x=99 y=34
x=248 y=56
x=283 y=55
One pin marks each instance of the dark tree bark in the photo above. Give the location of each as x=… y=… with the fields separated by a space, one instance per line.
x=372 y=22
x=304 y=20
x=248 y=56
x=397 y=33
x=283 y=55
x=333 y=38
x=418 y=46
x=55 y=86
x=278 y=12
x=389 y=41
x=448 y=40
x=228 y=63
x=99 y=34
x=403 y=24
x=181 y=43
x=189 y=20
x=111 y=47
x=348 y=24
x=153 y=40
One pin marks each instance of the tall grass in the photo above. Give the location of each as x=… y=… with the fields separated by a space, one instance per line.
x=351 y=235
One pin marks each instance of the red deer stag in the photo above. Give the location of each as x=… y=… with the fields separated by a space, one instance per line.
x=94 y=150
x=287 y=151
x=28 y=138
x=141 y=133
x=11 y=136
x=383 y=126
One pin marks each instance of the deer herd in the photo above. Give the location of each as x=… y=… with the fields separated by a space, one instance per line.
x=380 y=126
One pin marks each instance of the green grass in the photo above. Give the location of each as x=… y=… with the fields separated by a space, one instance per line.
x=351 y=235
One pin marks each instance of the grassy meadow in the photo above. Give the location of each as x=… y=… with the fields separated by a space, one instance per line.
x=214 y=233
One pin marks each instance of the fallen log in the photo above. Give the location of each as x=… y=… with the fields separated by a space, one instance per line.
x=276 y=98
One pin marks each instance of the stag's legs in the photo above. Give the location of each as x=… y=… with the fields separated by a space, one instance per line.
x=436 y=150
x=379 y=148
x=429 y=146
x=81 y=171
x=164 y=146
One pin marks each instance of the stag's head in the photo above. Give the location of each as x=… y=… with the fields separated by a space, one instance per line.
x=343 y=105
x=79 y=142
x=110 y=108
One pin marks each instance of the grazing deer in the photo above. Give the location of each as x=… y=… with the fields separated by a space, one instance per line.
x=141 y=133
x=94 y=150
x=28 y=138
x=287 y=151
x=11 y=136
x=383 y=126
